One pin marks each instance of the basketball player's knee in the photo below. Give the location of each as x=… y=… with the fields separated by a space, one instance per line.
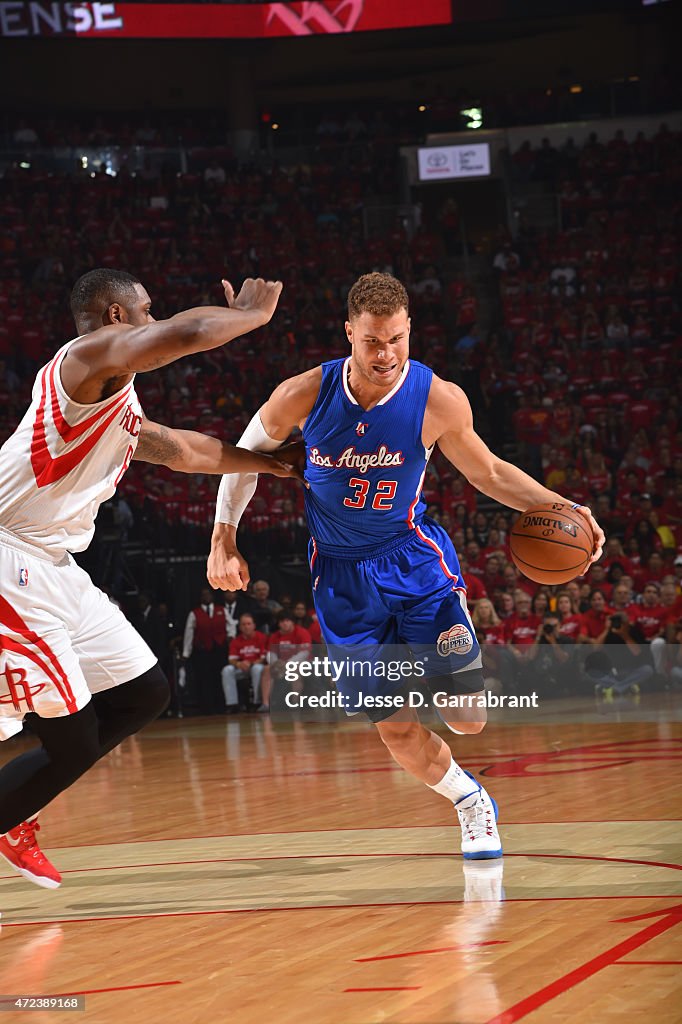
x=74 y=749
x=400 y=737
x=147 y=694
x=157 y=689
x=466 y=728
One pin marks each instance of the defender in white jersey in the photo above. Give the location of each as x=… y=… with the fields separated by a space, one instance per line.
x=61 y=640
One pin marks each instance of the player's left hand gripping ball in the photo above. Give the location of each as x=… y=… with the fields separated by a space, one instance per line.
x=597 y=532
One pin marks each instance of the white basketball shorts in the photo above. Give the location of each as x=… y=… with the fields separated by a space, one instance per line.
x=61 y=639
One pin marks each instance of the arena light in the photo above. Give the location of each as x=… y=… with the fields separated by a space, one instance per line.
x=25 y=166
x=576 y=89
x=475 y=116
x=422 y=108
x=84 y=162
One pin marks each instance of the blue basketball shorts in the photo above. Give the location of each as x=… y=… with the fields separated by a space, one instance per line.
x=410 y=596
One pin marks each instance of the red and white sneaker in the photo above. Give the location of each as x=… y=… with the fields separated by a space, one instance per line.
x=20 y=848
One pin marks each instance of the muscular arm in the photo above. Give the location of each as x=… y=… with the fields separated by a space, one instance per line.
x=119 y=350
x=449 y=423
x=187 y=451
x=288 y=406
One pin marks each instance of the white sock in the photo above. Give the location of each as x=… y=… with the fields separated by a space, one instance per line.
x=455 y=784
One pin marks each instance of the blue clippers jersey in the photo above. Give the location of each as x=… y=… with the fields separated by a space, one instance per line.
x=365 y=469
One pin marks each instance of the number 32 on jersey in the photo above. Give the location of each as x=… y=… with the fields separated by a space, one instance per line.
x=383 y=497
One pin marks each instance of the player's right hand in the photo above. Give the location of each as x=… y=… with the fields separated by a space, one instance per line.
x=226 y=569
x=255 y=295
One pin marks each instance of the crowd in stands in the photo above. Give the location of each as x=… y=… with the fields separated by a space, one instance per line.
x=580 y=373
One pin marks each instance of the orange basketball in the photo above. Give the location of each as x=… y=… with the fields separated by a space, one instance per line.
x=551 y=543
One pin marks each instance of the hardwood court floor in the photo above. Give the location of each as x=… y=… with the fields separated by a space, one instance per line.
x=240 y=871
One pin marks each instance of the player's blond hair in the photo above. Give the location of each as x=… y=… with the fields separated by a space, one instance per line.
x=378 y=294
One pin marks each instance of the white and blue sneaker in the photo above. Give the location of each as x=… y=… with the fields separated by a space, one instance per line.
x=477 y=812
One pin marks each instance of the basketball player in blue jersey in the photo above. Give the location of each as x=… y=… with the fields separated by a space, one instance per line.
x=382 y=572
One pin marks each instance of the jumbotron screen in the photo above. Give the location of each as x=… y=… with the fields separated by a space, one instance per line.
x=209 y=20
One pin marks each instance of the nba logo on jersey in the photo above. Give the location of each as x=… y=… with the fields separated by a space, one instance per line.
x=361 y=428
x=23 y=577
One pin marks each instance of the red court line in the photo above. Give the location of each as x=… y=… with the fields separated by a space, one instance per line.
x=586 y=970
x=648 y=963
x=392 y=988
x=419 y=952
x=354 y=828
x=115 y=988
x=95 y=991
x=652 y=913
x=316 y=906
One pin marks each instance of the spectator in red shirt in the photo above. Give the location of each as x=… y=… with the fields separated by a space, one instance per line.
x=289 y=643
x=492 y=578
x=475 y=558
x=572 y=588
x=248 y=653
x=472 y=581
x=655 y=568
x=569 y=623
x=489 y=628
x=490 y=635
x=460 y=492
x=597 y=580
x=613 y=552
x=621 y=598
x=505 y=606
x=651 y=618
x=595 y=622
x=598 y=476
x=671 y=600
x=204 y=644
x=520 y=631
x=521 y=627
x=672 y=506
x=513 y=580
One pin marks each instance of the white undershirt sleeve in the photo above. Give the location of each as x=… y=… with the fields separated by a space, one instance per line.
x=237 y=489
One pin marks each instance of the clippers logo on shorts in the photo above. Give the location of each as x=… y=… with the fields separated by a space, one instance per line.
x=19 y=689
x=456 y=640
x=23 y=577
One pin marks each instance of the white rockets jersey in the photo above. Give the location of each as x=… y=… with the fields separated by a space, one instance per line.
x=63 y=460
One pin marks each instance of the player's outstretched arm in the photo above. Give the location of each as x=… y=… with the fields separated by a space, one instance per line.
x=123 y=349
x=449 y=421
x=187 y=451
x=287 y=407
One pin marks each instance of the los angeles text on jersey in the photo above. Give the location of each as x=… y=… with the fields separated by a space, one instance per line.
x=349 y=458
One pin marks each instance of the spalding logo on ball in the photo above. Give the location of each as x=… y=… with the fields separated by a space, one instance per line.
x=551 y=543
